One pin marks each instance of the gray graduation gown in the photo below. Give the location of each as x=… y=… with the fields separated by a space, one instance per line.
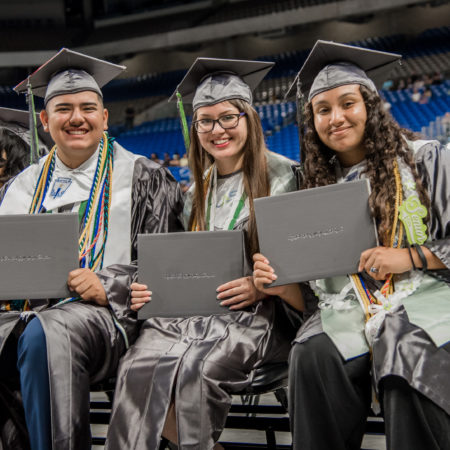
x=83 y=343
x=198 y=362
x=403 y=348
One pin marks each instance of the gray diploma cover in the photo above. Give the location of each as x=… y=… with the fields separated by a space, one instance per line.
x=183 y=271
x=37 y=252
x=316 y=233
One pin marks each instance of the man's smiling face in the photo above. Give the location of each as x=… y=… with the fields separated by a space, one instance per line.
x=76 y=123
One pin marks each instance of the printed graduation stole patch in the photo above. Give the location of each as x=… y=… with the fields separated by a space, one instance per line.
x=60 y=186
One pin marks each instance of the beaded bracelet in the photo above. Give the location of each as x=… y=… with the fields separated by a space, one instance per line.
x=411 y=257
x=419 y=251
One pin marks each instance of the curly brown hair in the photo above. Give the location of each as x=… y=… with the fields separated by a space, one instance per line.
x=254 y=167
x=384 y=141
x=14 y=155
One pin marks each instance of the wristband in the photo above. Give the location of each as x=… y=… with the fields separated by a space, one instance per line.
x=411 y=257
x=422 y=257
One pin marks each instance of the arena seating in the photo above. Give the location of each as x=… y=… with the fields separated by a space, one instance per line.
x=278 y=120
x=426 y=53
x=414 y=115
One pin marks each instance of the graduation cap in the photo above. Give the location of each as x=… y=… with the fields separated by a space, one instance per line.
x=330 y=65
x=69 y=72
x=213 y=80
x=18 y=122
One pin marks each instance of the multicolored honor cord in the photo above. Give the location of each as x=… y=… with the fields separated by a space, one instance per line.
x=94 y=230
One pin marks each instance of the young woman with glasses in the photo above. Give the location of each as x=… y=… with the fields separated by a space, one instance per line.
x=178 y=378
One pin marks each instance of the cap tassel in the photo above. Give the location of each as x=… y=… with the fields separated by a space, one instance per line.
x=184 y=126
x=300 y=117
x=34 y=146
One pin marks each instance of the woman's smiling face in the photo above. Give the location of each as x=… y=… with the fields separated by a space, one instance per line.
x=340 y=117
x=226 y=146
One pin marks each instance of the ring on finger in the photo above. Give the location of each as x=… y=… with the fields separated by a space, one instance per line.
x=374 y=270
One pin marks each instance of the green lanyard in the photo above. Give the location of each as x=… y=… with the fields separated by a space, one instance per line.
x=235 y=215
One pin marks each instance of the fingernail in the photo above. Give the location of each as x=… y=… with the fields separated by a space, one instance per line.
x=274 y=277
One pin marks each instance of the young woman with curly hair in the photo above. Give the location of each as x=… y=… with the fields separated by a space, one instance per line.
x=401 y=337
x=176 y=381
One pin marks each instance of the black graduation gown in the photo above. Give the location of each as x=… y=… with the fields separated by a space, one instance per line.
x=401 y=349
x=200 y=362
x=83 y=343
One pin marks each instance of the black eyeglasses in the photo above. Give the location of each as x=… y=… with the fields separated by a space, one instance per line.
x=226 y=122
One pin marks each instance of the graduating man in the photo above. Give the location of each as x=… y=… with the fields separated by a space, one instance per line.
x=117 y=195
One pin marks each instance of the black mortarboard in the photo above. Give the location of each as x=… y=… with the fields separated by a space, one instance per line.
x=330 y=65
x=18 y=122
x=213 y=80
x=69 y=72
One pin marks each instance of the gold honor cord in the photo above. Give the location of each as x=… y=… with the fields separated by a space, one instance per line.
x=43 y=179
x=363 y=293
x=388 y=287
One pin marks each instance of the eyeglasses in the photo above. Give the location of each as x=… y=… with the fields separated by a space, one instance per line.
x=226 y=122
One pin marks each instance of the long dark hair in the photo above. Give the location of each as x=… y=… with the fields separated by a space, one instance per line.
x=254 y=167
x=384 y=141
x=17 y=155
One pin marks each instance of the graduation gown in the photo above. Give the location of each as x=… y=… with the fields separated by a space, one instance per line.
x=84 y=343
x=412 y=342
x=198 y=362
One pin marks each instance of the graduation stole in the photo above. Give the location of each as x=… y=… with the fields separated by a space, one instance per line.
x=408 y=217
x=93 y=213
x=209 y=187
